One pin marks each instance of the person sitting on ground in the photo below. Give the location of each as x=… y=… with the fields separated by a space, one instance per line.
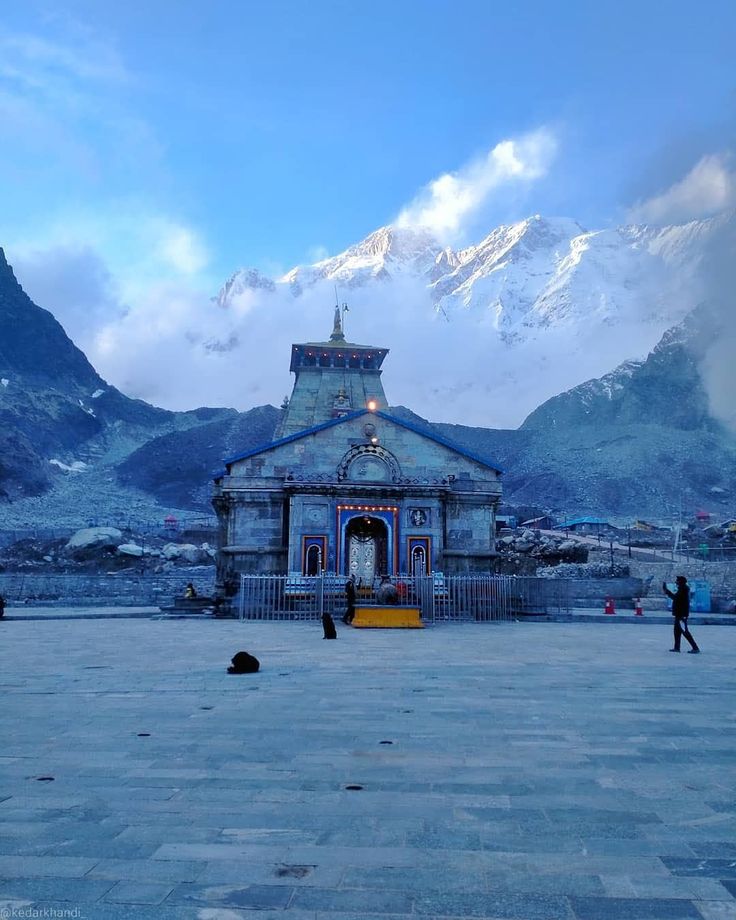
x=190 y=590
x=387 y=592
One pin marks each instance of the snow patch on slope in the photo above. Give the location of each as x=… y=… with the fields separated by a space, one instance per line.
x=76 y=466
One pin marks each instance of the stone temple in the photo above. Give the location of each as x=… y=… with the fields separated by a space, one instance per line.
x=347 y=487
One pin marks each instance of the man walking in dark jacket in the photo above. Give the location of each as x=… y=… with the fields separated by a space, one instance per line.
x=681 y=611
x=350 y=598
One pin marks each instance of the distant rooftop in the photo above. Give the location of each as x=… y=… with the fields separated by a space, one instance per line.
x=583 y=520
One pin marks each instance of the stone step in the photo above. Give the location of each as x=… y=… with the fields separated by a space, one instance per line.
x=371 y=616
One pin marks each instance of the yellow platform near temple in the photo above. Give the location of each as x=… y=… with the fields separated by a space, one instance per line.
x=377 y=617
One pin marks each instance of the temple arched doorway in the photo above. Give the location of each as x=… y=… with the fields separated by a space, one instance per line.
x=366 y=548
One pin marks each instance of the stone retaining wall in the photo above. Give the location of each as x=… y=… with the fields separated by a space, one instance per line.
x=721 y=576
x=592 y=592
x=124 y=590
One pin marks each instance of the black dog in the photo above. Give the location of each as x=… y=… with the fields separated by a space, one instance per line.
x=328 y=624
x=243 y=663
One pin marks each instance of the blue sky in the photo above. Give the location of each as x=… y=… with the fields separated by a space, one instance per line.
x=276 y=130
x=149 y=149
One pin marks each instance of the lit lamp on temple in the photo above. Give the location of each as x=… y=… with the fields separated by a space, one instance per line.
x=371 y=405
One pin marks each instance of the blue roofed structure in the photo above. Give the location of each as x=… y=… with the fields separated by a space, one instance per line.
x=348 y=488
x=576 y=522
x=587 y=525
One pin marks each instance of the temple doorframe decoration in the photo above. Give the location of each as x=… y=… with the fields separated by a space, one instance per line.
x=388 y=514
x=373 y=457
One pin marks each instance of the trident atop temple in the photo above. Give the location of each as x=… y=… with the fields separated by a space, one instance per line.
x=337 y=334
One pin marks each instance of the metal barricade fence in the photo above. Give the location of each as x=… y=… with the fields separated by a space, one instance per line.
x=479 y=598
x=280 y=597
x=530 y=596
x=476 y=598
x=302 y=597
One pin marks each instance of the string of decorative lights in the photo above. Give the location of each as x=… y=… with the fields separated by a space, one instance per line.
x=367 y=508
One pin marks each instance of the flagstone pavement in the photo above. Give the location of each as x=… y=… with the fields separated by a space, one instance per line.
x=515 y=771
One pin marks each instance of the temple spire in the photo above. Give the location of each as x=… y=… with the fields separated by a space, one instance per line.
x=337 y=333
x=332 y=379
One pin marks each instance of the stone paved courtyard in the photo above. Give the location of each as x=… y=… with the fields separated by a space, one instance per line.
x=528 y=771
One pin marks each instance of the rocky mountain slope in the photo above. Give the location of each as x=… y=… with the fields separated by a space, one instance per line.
x=58 y=418
x=640 y=441
x=177 y=468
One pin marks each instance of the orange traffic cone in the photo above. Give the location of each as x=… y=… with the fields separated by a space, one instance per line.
x=609 y=608
x=638 y=612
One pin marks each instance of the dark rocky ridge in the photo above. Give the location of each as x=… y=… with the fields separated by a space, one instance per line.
x=35 y=345
x=48 y=406
x=177 y=468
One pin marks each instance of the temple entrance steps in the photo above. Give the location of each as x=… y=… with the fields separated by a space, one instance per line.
x=376 y=616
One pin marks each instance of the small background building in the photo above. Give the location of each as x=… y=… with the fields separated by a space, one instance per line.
x=545 y=522
x=589 y=526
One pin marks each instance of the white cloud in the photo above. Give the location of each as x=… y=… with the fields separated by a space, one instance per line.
x=176 y=348
x=718 y=272
x=71 y=89
x=41 y=61
x=317 y=253
x=182 y=249
x=447 y=202
x=128 y=286
x=137 y=246
x=719 y=375
x=709 y=187
x=63 y=74
x=72 y=281
x=131 y=287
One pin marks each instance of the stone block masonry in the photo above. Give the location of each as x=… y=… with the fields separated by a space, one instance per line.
x=108 y=590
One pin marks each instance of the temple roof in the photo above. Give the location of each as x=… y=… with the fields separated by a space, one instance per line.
x=349 y=356
x=342 y=345
x=424 y=432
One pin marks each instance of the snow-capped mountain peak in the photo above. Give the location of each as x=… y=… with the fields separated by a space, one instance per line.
x=380 y=256
x=240 y=282
x=543 y=292
x=535 y=273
